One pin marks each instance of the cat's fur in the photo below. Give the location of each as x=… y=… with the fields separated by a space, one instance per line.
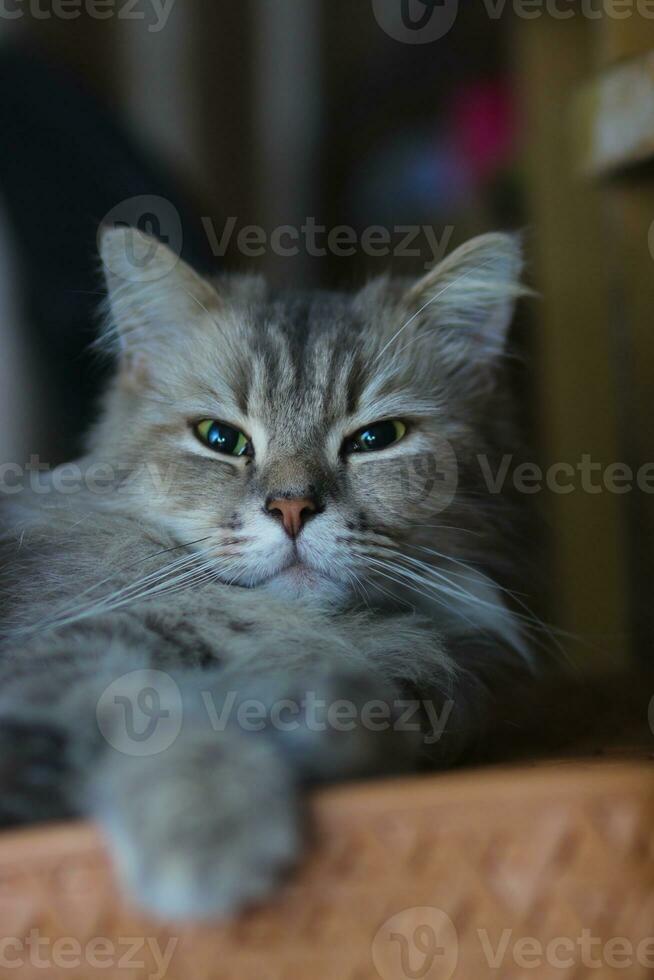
x=178 y=566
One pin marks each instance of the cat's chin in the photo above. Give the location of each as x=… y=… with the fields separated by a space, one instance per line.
x=304 y=583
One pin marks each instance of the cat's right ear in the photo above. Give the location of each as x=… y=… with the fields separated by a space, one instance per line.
x=152 y=294
x=470 y=296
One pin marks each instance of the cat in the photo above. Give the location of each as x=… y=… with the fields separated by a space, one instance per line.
x=276 y=565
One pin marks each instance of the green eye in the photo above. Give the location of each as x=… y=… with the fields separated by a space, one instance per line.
x=222 y=438
x=372 y=438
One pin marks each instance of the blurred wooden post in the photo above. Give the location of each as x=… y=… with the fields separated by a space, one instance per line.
x=589 y=103
x=573 y=348
x=625 y=56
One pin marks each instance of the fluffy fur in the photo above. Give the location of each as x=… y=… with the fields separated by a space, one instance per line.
x=166 y=558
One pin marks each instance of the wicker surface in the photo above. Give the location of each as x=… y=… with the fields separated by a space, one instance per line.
x=463 y=875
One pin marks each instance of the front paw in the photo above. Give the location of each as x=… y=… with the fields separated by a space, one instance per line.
x=348 y=724
x=203 y=829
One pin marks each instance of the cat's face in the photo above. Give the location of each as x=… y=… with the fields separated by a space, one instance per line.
x=298 y=440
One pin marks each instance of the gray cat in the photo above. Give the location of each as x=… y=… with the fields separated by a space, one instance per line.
x=276 y=565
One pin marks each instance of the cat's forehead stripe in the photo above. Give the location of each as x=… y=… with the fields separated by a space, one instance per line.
x=305 y=353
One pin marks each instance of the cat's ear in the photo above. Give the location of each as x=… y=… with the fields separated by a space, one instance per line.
x=471 y=295
x=152 y=294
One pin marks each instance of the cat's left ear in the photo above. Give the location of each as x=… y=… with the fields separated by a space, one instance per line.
x=472 y=293
x=151 y=292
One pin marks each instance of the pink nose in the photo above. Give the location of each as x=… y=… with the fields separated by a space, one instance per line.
x=293 y=512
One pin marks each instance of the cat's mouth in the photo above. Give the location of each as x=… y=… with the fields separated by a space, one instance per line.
x=298 y=570
x=294 y=577
x=299 y=580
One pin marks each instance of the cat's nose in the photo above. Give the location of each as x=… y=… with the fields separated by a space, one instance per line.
x=293 y=512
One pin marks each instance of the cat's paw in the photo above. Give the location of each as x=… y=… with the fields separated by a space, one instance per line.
x=34 y=773
x=205 y=828
x=348 y=724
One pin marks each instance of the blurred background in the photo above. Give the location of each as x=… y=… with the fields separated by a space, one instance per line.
x=330 y=113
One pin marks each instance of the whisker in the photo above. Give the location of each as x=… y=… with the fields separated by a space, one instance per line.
x=123 y=568
x=438 y=592
x=131 y=592
x=530 y=616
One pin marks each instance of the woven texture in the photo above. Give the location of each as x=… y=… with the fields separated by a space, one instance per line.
x=464 y=875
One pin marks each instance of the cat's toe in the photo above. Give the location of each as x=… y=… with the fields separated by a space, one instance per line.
x=204 y=832
x=232 y=867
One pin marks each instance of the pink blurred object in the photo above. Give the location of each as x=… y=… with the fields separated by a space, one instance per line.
x=482 y=127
